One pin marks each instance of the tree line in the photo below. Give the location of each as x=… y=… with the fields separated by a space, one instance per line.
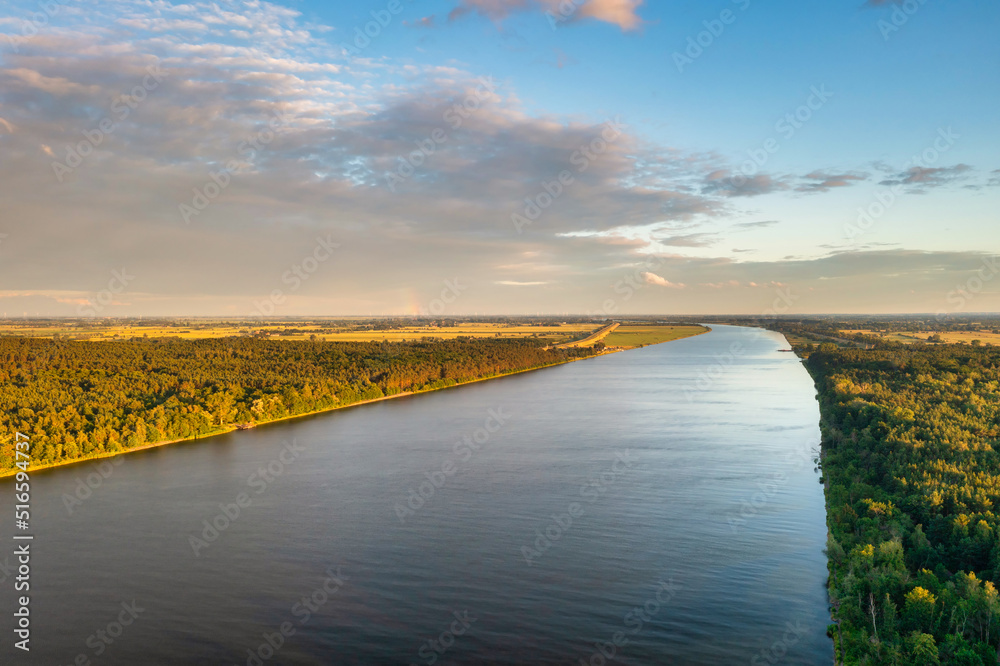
x=84 y=399
x=912 y=484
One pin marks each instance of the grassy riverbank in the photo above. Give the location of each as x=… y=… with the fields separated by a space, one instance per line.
x=629 y=336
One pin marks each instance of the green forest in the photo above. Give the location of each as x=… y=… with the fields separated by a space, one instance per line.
x=912 y=480
x=85 y=399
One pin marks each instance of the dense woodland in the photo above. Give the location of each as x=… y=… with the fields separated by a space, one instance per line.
x=82 y=399
x=913 y=490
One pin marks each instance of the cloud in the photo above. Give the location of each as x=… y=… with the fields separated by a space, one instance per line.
x=921 y=179
x=617 y=12
x=621 y=13
x=994 y=178
x=425 y=22
x=725 y=183
x=347 y=124
x=721 y=285
x=756 y=225
x=653 y=278
x=687 y=240
x=322 y=174
x=822 y=181
x=562 y=59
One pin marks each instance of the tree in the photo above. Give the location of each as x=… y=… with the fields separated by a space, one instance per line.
x=919 y=611
x=923 y=650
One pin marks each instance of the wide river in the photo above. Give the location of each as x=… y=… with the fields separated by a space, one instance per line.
x=657 y=506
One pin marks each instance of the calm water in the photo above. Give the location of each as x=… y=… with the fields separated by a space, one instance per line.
x=664 y=497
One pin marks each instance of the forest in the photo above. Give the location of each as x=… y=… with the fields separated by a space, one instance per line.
x=912 y=483
x=80 y=400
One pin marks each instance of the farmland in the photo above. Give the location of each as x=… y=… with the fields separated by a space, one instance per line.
x=630 y=336
x=985 y=337
x=340 y=330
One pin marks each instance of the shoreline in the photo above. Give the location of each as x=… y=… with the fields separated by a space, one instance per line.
x=231 y=429
x=228 y=430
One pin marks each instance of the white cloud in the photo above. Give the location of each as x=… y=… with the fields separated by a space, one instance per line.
x=653 y=278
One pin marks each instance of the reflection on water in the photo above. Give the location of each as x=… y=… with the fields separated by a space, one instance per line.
x=651 y=507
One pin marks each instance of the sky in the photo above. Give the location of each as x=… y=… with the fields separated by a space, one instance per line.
x=463 y=157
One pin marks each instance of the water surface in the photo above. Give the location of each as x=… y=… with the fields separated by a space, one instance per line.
x=663 y=496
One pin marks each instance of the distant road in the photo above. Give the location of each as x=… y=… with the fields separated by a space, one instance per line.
x=592 y=338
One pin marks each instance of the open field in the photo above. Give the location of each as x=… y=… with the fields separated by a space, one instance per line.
x=292 y=330
x=629 y=336
x=798 y=339
x=909 y=337
x=561 y=334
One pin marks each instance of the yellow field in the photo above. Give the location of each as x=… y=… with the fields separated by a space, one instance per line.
x=908 y=337
x=554 y=333
x=629 y=336
x=291 y=330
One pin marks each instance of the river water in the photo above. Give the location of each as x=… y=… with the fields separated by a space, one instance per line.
x=658 y=506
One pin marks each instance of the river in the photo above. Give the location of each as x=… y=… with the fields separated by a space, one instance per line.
x=657 y=506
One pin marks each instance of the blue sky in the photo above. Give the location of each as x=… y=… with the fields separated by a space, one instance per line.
x=668 y=217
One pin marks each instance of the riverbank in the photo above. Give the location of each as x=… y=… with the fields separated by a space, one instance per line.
x=838 y=640
x=228 y=429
